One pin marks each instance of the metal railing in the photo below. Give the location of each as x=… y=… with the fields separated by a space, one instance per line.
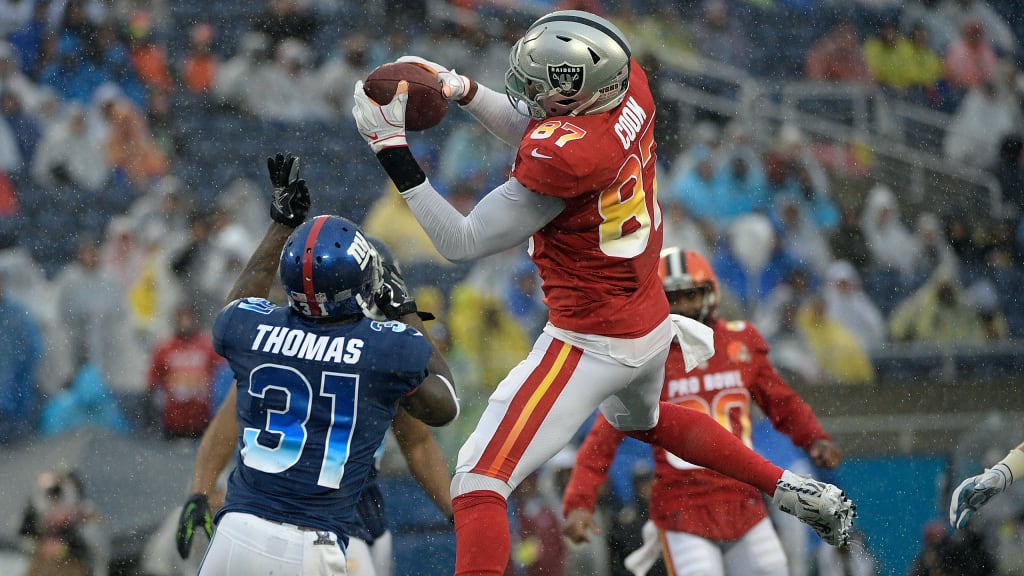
x=846 y=115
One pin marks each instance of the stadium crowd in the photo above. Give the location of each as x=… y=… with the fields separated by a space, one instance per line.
x=120 y=236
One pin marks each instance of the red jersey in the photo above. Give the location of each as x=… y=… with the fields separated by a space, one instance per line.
x=685 y=497
x=598 y=259
x=183 y=369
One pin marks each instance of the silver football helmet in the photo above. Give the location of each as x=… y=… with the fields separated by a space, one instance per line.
x=568 y=63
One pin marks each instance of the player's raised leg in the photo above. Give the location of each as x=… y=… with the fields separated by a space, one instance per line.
x=695 y=437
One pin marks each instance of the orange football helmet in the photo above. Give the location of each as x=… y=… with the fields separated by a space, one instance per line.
x=687 y=270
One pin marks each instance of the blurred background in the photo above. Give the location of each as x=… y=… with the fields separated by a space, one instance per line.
x=852 y=169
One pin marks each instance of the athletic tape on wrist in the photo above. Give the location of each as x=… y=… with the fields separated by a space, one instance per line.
x=1014 y=462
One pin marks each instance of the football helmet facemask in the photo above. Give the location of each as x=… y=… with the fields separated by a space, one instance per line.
x=329 y=269
x=568 y=63
x=683 y=270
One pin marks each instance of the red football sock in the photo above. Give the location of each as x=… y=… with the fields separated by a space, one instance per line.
x=698 y=439
x=482 y=541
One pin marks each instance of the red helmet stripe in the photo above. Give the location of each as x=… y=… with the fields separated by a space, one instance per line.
x=307 y=265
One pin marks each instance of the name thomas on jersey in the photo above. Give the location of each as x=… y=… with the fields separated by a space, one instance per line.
x=295 y=343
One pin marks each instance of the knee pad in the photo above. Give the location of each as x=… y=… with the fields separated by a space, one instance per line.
x=465 y=482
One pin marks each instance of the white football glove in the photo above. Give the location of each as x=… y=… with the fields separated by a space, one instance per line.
x=455 y=86
x=820 y=505
x=975 y=491
x=382 y=126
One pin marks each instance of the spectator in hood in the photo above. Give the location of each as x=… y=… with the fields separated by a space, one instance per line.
x=890 y=241
x=847 y=304
x=938 y=312
x=985 y=116
x=971 y=61
x=129 y=146
x=70 y=154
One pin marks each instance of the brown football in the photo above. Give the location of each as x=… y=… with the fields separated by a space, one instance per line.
x=427 y=104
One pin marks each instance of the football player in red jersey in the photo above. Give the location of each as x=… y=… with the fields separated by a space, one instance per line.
x=708 y=523
x=583 y=192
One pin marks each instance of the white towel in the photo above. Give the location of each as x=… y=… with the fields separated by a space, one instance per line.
x=640 y=561
x=695 y=338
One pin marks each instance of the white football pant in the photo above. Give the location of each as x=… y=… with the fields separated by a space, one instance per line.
x=539 y=406
x=369 y=559
x=246 y=545
x=758 y=553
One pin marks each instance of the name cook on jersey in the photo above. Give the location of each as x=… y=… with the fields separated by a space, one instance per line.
x=629 y=122
x=297 y=343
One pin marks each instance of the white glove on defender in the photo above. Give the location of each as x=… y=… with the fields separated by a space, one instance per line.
x=454 y=85
x=975 y=491
x=381 y=126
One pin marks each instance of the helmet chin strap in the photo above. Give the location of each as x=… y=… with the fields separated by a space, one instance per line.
x=705 y=311
x=582 y=108
x=707 y=304
x=585 y=106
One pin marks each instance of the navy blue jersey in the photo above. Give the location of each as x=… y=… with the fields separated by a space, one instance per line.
x=371 y=521
x=314 y=403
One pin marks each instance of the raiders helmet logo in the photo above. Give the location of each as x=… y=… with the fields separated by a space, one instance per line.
x=566 y=78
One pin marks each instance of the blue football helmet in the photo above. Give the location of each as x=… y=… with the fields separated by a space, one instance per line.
x=329 y=269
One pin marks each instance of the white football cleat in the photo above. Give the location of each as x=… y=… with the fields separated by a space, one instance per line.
x=820 y=505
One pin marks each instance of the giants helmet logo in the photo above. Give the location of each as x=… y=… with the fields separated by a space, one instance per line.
x=568 y=79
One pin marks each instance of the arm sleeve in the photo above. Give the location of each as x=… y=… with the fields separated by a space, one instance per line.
x=593 y=460
x=1014 y=462
x=494 y=112
x=504 y=218
x=785 y=409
